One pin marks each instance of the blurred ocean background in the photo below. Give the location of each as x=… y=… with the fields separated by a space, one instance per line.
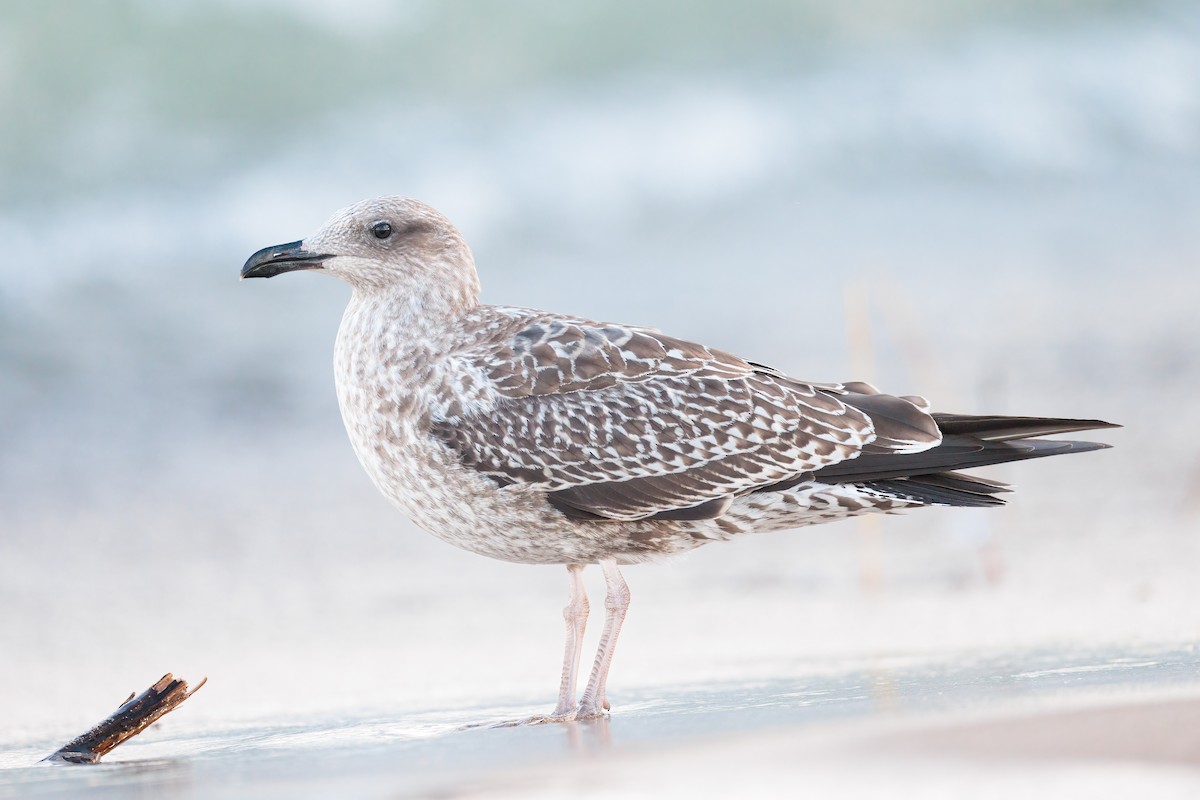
x=996 y=204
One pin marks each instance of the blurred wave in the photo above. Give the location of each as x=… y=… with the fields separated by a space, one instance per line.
x=155 y=146
x=131 y=92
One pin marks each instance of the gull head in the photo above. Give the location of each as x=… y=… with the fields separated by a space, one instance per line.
x=381 y=245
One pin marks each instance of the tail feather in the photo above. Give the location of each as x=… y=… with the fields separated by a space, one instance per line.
x=928 y=489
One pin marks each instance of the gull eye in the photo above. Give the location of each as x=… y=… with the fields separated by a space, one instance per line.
x=382 y=230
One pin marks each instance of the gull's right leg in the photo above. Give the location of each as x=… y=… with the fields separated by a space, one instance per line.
x=594 y=701
x=576 y=614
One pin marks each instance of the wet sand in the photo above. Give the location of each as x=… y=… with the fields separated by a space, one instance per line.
x=1160 y=731
x=1068 y=722
x=1096 y=747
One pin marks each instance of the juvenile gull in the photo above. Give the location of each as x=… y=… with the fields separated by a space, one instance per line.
x=543 y=438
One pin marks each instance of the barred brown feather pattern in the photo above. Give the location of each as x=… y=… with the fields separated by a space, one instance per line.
x=625 y=423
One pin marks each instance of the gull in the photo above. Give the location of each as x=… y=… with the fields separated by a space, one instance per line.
x=543 y=438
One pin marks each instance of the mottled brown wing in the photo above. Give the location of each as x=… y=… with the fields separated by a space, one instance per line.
x=623 y=423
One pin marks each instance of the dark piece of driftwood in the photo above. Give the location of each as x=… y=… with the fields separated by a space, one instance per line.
x=134 y=716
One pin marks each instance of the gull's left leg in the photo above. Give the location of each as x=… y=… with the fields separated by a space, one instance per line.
x=576 y=614
x=616 y=601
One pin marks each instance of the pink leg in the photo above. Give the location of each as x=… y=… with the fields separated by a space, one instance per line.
x=576 y=614
x=616 y=601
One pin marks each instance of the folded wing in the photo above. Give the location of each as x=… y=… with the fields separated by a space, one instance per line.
x=623 y=423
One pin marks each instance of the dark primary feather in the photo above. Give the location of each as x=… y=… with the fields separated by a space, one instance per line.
x=969 y=441
x=955 y=453
x=996 y=429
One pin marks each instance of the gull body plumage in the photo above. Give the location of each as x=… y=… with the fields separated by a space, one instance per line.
x=543 y=438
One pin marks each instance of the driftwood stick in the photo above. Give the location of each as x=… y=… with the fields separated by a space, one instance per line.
x=135 y=715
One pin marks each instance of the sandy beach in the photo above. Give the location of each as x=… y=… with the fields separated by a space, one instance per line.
x=1077 y=725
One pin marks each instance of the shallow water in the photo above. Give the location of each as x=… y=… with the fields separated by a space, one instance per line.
x=413 y=752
